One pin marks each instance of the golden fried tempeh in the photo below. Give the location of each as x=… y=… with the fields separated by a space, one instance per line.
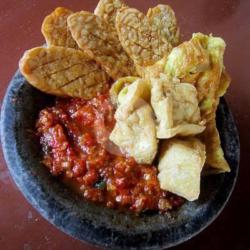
x=55 y=30
x=163 y=18
x=63 y=72
x=100 y=41
x=107 y=10
x=140 y=40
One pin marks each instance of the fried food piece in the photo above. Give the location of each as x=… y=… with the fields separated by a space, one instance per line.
x=200 y=62
x=153 y=71
x=225 y=81
x=107 y=10
x=55 y=30
x=163 y=18
x=63 y=72
x=135 y=132
x=132 y=96
x=209 y=83
x=187 y=61
x=216 y=161
x=118 y=86
x=215 y=156
x=100 y=41
x=180 y=165
x=136 y=136
x=140 y=40
x=176 y=108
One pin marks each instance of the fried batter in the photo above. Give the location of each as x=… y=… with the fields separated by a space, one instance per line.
x=200 y=62
x=140 y=40
x=187 y=61
x=118 y=86
x=55 y=30
x=209 y=85
x=63 y=72
x=100 y=41
x=163 y=18
x=215 y=156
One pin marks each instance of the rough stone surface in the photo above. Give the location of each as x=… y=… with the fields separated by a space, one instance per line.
x=95 y=224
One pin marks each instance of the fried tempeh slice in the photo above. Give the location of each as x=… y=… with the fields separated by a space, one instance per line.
x=55 y=30
x=163 y=17
x=100 y=41
x=63 y=72
x=140 y=40
x=107 y=10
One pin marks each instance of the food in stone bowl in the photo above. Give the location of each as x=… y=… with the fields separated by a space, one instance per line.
x=133 y=125
x=130 y=127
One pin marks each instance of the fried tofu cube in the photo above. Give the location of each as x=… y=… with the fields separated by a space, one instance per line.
x=176 y=108
x=180 y=165
x=136 y=135
x=135 y=130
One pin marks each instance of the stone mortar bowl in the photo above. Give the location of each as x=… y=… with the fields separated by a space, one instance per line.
x=95 y=224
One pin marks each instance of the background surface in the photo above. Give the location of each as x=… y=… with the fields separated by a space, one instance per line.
x=21 y=227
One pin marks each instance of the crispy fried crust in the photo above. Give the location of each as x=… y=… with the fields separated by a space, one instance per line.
x=55 y=30
x=140 y=40
x=63 y=72
x=100 y=41
x=163 y=18
x=107 y=10
x=180 y=165
x=215 y=156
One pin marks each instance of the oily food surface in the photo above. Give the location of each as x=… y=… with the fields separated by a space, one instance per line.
x=107 y=10
x=162 y=17
x=63 y=72
x=165 y=94
x=141 y=40
x=55 y=30
x=74 y=135
x=98 y=38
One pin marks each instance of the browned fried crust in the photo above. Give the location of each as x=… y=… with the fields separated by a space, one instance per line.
x=140 y=40
x=63 y=72
x=100 y=41
x=107 y=10
x=55 y=30
x=163 y=18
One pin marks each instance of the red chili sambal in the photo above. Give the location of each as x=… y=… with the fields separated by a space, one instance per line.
x=74 y=135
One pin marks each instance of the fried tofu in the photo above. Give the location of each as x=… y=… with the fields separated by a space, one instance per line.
x=135 y=131
x=200 y=62
x=215 y=161
x=180 y=166
x=176 y=108
x=118 y=85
